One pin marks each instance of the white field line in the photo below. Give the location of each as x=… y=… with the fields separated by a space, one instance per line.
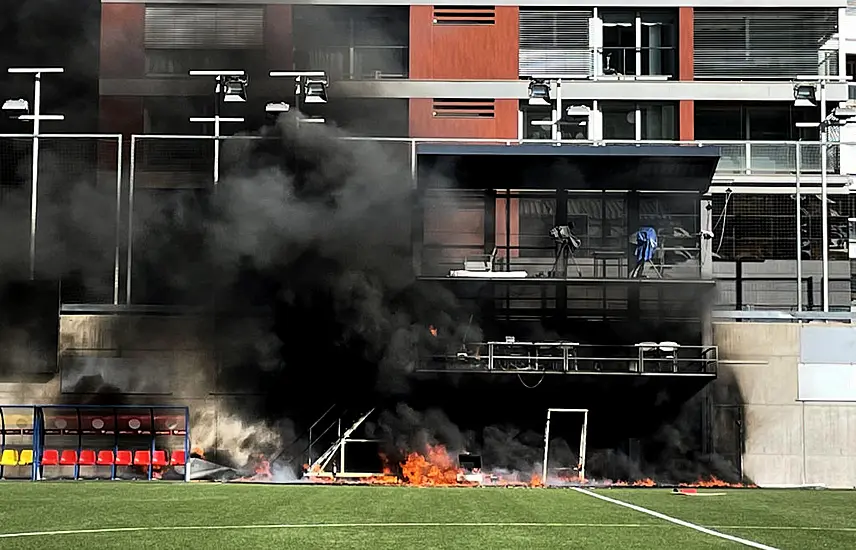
x=676 y=521
x=316 y=526
x=398 y=525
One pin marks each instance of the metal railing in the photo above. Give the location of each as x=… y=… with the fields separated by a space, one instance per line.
x=645 y=358
x=361 y=62
x=175 y=162
x=78 y=175
x=737 y=157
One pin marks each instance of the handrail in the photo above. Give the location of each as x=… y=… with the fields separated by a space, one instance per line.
x=570 y=357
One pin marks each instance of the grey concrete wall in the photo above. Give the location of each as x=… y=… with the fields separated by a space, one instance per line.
x=786 y=441
x=181 y=347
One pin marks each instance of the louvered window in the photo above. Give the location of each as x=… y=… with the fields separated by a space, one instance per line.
x=203 y=27
x=463 y=108
x=464 y=15
x=555 y=42
x=761 y=43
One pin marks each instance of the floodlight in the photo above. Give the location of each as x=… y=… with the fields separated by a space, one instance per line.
x=539 y=92
x=844 y=113
x=315 y=91
x=313 y=120
x=235 y=89
x=16 y=107
x=281 y=107
x=805 y=94
x=578 y=110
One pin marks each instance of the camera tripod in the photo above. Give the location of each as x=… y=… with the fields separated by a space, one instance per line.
x=564 y=254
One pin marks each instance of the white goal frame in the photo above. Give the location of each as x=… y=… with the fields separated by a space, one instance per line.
x=582 y=464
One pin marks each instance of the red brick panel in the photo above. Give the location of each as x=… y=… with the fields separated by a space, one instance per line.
x=686 y=43
x=120 y=115
x=279 y=37
x=463 y=52
x=123 y=40
x=424 y=124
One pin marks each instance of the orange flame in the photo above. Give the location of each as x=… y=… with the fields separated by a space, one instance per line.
x=433 y=468
x=647 y=482
x=714 y=482
x=536 y=481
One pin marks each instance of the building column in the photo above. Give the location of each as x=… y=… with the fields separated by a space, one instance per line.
x=686 y=46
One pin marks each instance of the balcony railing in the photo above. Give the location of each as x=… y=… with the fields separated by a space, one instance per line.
x=736 y=157
x=758 y=158
x=573 y=358
x=360 y=62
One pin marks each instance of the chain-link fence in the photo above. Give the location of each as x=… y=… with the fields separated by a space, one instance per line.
x=63 y=222
x=755 y=235
x=172 y=178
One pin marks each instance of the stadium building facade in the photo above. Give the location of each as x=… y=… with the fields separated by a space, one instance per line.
x=631 y=80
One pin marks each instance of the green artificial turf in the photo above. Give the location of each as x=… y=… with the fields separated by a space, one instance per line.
x=223 y=516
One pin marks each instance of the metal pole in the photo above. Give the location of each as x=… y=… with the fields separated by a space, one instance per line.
x=118 y=221
x=546 y=448
x=341 y=448
x=583 y=437
x=823 y=196
x=799 y=229
x=557 y=119
x=131 y=165
x=37 y=111
x=216 y=149
x=217 y=95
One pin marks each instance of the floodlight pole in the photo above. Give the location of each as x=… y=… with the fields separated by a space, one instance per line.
x=217 y=119
x=36 y=117
x=824 y=211
x=799 y=228
x=557 y=116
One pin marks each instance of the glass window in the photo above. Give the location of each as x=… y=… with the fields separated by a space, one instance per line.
x=658 y=121
x=541 y=114
x=719 y=122
x=639 y=43
x=619 y=120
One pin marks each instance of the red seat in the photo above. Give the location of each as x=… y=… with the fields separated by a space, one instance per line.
x=159 y=458
x=50 y=457
x=105 y=458
x=142 y=458
x=178 y=458
x=123 y=458
x=87 y=457
x=68 y=458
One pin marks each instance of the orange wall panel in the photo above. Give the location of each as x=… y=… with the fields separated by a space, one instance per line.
x=279 y=44
x=686 y=46
x=514 y=226
x=123 y=52
x=423 y=123
x=463 y=52
x=686 y=43
x=120 y=115
x=686 y=120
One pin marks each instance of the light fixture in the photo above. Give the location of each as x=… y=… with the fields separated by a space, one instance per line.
x=539 y=92
x=235 y=89
x=281 y=107
x=16 y=107
x=805 y=95
x=577 y=110
x=844 y=113
x=315 y=91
